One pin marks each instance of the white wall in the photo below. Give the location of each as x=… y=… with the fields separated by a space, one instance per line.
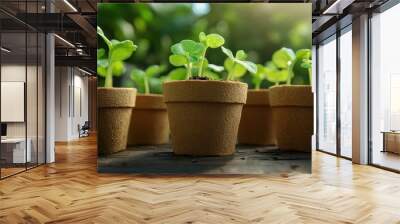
x=71 y=94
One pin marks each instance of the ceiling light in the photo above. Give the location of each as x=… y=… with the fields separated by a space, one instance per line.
x=65 y=41
x=5 y=50
x=70 y=5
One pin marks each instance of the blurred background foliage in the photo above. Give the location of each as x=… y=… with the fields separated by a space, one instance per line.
x=258 y=28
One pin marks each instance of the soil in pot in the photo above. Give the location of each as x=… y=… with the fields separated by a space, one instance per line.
x=204 y=115
x=149 y=122
x=256 y=122
x=114 y=115
x=292 y=110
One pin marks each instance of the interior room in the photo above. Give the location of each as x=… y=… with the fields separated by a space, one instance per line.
x=50 y=124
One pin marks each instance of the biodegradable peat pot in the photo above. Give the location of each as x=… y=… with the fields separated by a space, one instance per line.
x=292 y=110
x=204 y=115
x=256 y=123
x=114 y=115
x=149 y=122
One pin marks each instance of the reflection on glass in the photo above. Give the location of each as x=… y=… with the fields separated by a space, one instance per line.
x=386 y=89
x=327 y=96
x=346 y=94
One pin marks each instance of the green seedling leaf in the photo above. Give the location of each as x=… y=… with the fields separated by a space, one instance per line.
x=241 y=55
x=138 y=76
x=100 y=53
x=283 y=58
x=228 y=52
x=178 y=49
x=211 y=75
x=118 y=68
x=216 y=68
x=154 y=70
x=101 y=71
x=177 y=74
x=250 y=66
x=122 y=50
x=106 y=40
x=192 y=47
x=178 y=60
x=214 y=40
x=259 y=76
x=203 y=37
x=235 y=70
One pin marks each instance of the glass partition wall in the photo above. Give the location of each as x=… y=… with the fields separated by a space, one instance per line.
x=334 y=104
x=385 y=89
x=22 y=77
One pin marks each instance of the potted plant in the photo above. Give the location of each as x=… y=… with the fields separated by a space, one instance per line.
x=149 y=121
x=292 y=105
x=114 y=104
x=203 y=114
x=256 y=122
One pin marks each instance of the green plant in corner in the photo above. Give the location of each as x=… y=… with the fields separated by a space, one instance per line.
x=112 y=64
x=142 y=78
x=258 y=77
x=237 y=65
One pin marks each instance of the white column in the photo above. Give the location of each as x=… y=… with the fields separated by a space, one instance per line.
x=50 y=100
x=360 y=90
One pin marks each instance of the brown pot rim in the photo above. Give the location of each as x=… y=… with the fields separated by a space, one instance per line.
x=257 y=97
x=209 y=91
x=116 y=97
x=295 y=95
x=150 y=102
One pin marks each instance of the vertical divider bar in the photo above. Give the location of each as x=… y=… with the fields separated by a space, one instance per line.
x=0 y=95
x=338 y=98
x=369 y=80
x=317 y=96
x=26 y=86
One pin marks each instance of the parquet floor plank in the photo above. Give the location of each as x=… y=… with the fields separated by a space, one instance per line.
x=71 y=191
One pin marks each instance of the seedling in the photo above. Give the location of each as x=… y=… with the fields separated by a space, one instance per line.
x=284 y=60
x=192 y=55
x=275 y=75
x=142 y=78
x=237 y=65
x=259 y=76
x=304 y=56
x=112 y=64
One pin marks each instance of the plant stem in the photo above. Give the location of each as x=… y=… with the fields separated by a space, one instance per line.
x=310 y=75
x=202 y=62
x=229 y=77
x=146 y=85
x=189 y=71
x=109 y=81
x=290 y=71
x=277 y=84
x=257 y=86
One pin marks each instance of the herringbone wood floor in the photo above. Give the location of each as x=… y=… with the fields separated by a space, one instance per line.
x=71 y=191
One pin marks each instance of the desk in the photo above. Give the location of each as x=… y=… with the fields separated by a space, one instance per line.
x=15 y=148
x=391 y=141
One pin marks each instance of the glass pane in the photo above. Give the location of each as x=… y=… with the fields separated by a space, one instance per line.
x=327 y=96
x=32 y=98
x=14 y=153
x=346 y=94
x=386 y=89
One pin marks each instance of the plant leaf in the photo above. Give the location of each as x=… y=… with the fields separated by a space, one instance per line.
x=100 y=53
x=241 y=55
x=178 y=60
x=154 y=70
x=237 y=70
x=122 y=50
x=250 y=66
x=137 y=75
x=101 y=71
x=118 y=68
x=106 y=40
x=283 y=57
x=227 y=52
x=203 y=38
x=177 y=74
x=178 y=49
x=214 y=40
x=277 y=75
x=192 y=47
x=216 y=68
x=211 y=75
